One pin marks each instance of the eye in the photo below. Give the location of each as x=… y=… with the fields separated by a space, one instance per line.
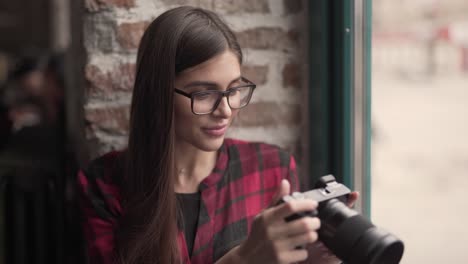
x=239 y=84
x=203 y=96
x=235 y=90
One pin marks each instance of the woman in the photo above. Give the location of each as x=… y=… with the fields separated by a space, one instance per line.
x=181 y=192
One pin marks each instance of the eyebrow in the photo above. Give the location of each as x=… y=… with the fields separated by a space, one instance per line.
x=207 y=83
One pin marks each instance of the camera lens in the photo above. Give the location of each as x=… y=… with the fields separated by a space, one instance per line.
x=354 y=239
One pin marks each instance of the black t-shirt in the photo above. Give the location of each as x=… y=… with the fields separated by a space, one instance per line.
x=190 y=208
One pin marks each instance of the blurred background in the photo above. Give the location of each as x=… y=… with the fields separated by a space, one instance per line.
x=420 y=122
x=67 y=71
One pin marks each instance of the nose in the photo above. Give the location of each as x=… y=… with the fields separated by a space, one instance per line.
x=223 y=110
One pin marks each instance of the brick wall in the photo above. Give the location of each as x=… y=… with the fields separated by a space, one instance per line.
x=271 y=33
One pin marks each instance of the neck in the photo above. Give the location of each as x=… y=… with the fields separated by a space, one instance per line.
x=193 y=166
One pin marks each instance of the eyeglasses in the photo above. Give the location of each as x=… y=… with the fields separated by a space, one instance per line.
x=206 y=102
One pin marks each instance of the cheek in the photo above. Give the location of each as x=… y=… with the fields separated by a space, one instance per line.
x=234 y=114
x=182 y=105
x=182 y=112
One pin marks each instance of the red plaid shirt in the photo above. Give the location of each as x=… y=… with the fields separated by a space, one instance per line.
x=242 y=184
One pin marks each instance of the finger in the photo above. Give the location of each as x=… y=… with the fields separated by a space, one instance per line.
x=280 y=212
x=283 y=190
x=302 y=225
x=293 y=256
x=297 y=227
x=299 y=240
x=352 y=198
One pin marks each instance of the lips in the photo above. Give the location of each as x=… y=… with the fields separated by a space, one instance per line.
x=215 y=131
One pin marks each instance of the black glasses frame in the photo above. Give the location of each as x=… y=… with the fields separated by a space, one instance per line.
x=221 y=94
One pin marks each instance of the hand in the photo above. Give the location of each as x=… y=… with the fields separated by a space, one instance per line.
x=273 y=240
x=318 y=252
x=352 y=198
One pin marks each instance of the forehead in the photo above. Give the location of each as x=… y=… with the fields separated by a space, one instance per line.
x=220 y=68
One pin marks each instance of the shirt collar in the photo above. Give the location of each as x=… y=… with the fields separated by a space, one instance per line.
x=219 y=169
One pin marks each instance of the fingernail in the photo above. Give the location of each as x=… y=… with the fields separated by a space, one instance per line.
x=313 y=203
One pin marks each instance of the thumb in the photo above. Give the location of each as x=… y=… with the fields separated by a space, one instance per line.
x=283 y=190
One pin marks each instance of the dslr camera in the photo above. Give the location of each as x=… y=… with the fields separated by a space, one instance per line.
x=349 y=235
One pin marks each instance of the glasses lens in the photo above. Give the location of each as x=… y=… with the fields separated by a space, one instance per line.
x=204 y=102
x=240 y=96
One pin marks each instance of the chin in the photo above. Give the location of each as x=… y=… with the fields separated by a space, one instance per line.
x=210 y=144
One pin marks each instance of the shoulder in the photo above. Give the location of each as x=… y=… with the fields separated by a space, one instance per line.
x=106 y=168
x=103 y=175
x=99 y=185
x=267 y=154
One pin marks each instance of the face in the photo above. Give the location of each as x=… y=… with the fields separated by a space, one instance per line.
x=206 y=132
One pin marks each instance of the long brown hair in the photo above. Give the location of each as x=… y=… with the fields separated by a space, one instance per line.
x=176 y=40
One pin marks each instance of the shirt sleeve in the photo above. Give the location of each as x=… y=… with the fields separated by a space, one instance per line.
x=98 y=217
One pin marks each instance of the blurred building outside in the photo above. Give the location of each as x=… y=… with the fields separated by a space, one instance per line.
x=420 y=123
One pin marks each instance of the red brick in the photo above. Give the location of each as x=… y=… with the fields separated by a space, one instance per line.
x=268 y=38
x=109 y=119
x=198 y=3
x=255 y=73
x=129 y=34
x=292 y=6
x=241 y=6
x=294 y=36
x=99 y=34
x=265 y=114
x=120 y=78
x=103 y=143
x=121 y=3
x=292 y=76
x=98 y=5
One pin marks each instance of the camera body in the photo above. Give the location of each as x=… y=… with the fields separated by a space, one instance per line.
x=350 y=236
x=326 y=188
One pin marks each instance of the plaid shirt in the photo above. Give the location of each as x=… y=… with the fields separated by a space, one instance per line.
x=242 y=184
